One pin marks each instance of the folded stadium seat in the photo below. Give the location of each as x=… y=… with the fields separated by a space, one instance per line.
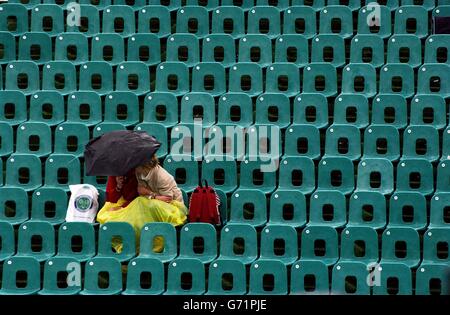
x=183 y=48
x=375 y=175
x=411 y=19
x=368 y=25
x=194 y=20
x=421 y=142
x=407 y=209
x=439 y=211
x=159 y=131
x=446 y=144
x=96 y=76
x=89 y=22
x=405 y=49
x=432 y=279
x=359 y=79
x=350 y=278
x=122 y=107
x=35 y=46
x=297 y=173
x=145 y=276
x=302 y=140
x=36 y=239
x=48 y=18
x=109 y=48
x=14 y=19
x=113 y=235
x=300 y=20
x=352 y=108
x=428 y=110
x=119 y=19
x=219 y=48
x=436 y=49
x=162 y=108
x=62 y=170
x=235 y=109
x=336 y=173
x=442 y=9
x=319 y=243
x=198 y=240
x=309 y=277
x=172 y=77
x=320 y=78
x=209 y=77
x=134 y=77
x=227 y=277
x=253 y=49
x=187 y=140
x=393 y=279
x=415 y=175
x=170 y=4
x=154 y=19
x=367 y=48
x=248 y=206
x=402 y=245
x=59 y=76
x=263 y=142
x=311 y=109
x=382 y=141
x=109 y=269
x=71 y=138
x=6 y=140
x=443 y=176
x=184 y=169
x=34 y=138
x=76 y=240
x=273 y=107
x=208 y=4
x=243 y=4
x=283 y=78
x=53 y=269
x=264 y=20
x=279 y=242
x=14 y=205
x=23 y=171
x=435 y=246
x=153 y=231
x=135 y=4
x=336 y=19
x=22 y=76
x=287 y=208
x=14 y=271
x=72 y=47
x=102 y=128
x=268 y=277
x=427 y=4
x=186 y=276
x=343 y=141
x=246 y=77
x=360 y=244
x=29 y=5
x=84 y=107
x=329 y=48
x=50 y=205
x=198 y=107
x=397 y=79
x=228 y=20
x=327 y=207
x=292 y=48
x=367 y=208
x=8 y=44
x=145 y=48
x=434 y=79
x=220 y=174
x=390 y=109
x=7 y=241
x=238 y=242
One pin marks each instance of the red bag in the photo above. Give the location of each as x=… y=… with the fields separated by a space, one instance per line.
x=204 y=205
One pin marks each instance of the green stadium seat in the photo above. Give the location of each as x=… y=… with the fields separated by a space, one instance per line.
x=411 y=19
x=159 y=131
x=367 y=48
x=183 y=48
x=145 y=48
x=397 y=79
x=221 y=174
x=209 y=77
x=7 y=241
x=228 y=20
x=367 y=209
x=14 y=205
x=99 y=182
x=302 y=140
x=71 y=138
x=401 y=245
x=122 y=107
x=62 y=170
x=350 y=278
x=432 y=279
x=329 y=25
x=315 y=4
x=22 y=76
x=219 y=48
x=421 y=142
x=264 y=20
x=194 y=20
x=47 y=107
x=268 y=277
x=13 y=271
x=14 y=18
x=248 y=206
x=375 y=175
x=235 y=108
x=184 y=169
x=336 y=173
x=446 y=144
x=343 y=141
x=59 y=76
x=198 y=107
x=109 y=48
x=227 y=277
x=351 y=109
x=225 y=143
x=186 y=276
x=161 y=230
x=187 y=141
x=23 y=171
x=208 y=4
x=246 y=77
x=117 y=240
x=36 y=239
x=243 y=4
x=287 y=208
x=319 y=243
x=300 y=20
x=441 y=10
x=76 y=240
x=320 y=78
x=381 y=28
x=381 y=141
x=35 y=46
x=29 y=5
x=279 y=4
x=428 y=110
x=297 y=173
x=327 y=207
x=359 y=244
x=443 y=177
x=394 y=279
x=439 y=211
x=48 y=18
x=171 y=4
x=352 y=4
x=119 y=19
x=309 y=277
x=292 y=48
x=198 y=240
x=135 y=4
x=283 y=78
x=133 y=76
x=96 y=76
x=435 y=246
x=274 y=107
x=390 y=109
x=433 y=79
x=106 y=268
x=52 y=282
x=238 y=242
x=90 y=20
x=280 y=243
x=145 y=276
x=311 y=109
x=436 y=49
x=415 y=175
x=6 y=140
x=172 y=77
x=253 y=49
x=50 y=205
x=427 y=4
x=405 y=49
x=329 y=48
x=155 y=19
x=162 y=108
x=359 y=79
x=100 y=4
x=84 y=107
x=8 y=44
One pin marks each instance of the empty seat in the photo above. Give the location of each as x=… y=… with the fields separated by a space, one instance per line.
x=432 y=279
x=238 y=242
x=145 y=48
x=122 y=107
x=145 y=276
x=359 y=79
x=13 y=107
x=22 y=76
x=436 y=49
x=320 y=243
x=367 y=48
x=54 y=269
x=311 y=109
x=440 y=211
x=186 y=276
x=14 y=205
x=89 y=20
x=428 y=110
x=162 y=108
x=158 y=240
x=7 y=241
x=367 y=208
x=24 y=171
x=49 y=204
x=352 y=4
x=71 y=138
x=219 y=48
x=283 y=78
x=401 y=245
x=390 y=109
x=268 y=277
x=109 y=269
x=243 y=4
x=194 y=20
x=62 y=170
x=170 y=4
x=47 y=107
x=96 y=76
x=446 y=144
x=36 y=239
x=300 y=20
x=228 y=20
x=59 y=76
x=84 y=107
x=405 y=49
x=292 y=48
x=248 y=206
x=117 y=240
x=133 y=76
x=394 y=279
x=135 y=4
x=209 y=77
x=397 y=79
x=34 y=138
x=329 y=48
x=14 y=19
x=208 y=4
x=334 y=19
x=109 y=48
x=184 y=169
x=435 y=246
x=155 y=19
x=6 y=140
x=226 y=143
x=288 y=208
x=279 y=242
x=320 y=78
x=246 y=78
x=427 y=4
x=375 y=175
x=264 y=20
x=235 y=108
x=48 y=18
x=227 y=277
x=172 y=77
x=433 y=79
x=183 y=48
x=35 y=46
x=336 y=173
x=350 y=278
x=359 y=244
x=443 y=176
x=14 y=271
x=119 y=19
x=411 y=19
x=297 y=173
x=327 y=208
x=222 y=174
x=415 y=175
x=343 y=141
x=369 y=24
x=421 y=142
x=381 y=141
x=197 y=108
x=302 y=140
x=76 y=240
x=187 y=141
x=253 y=48
x=352 y=108
x=30 y=4
x=315 y=4
x=273 y=108
x=309 y=277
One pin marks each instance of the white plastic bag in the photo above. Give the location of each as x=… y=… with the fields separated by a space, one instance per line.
x=83 y=203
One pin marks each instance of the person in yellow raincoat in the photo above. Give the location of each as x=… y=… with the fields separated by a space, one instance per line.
x=147 y=194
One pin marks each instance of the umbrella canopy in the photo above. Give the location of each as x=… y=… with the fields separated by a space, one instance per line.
x=117 y=152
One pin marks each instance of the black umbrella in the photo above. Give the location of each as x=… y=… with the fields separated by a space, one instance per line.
x=117 y=152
